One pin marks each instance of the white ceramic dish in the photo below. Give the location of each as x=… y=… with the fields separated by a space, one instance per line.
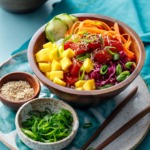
x=54 y=106
x=96 y=115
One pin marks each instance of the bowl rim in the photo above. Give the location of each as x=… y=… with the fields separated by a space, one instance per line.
x=73 y=112
x=92 y=92
x=29 y=75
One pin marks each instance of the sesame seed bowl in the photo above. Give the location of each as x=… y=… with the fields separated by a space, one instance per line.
x=16 y=88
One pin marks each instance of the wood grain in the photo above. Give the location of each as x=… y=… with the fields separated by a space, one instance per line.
x=111 y=117
x=124 y=128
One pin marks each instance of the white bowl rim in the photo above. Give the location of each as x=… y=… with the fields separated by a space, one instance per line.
x=74 y=127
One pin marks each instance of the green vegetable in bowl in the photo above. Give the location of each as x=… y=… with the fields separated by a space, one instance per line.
x=47 y=127
x=57 y=26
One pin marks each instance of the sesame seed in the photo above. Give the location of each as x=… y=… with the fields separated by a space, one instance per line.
x=17 y=90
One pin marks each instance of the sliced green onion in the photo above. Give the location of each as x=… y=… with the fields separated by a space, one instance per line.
x=76 y=40
x=58 y=55
x=106 y=86
x=81 y=73
x=118 y=69
x=110 y=52
x=122 y=76
x=48 y=126
x=61 y=47
x=86 y=41
x=52 y=37
x=130 y=64
x=29 y=133
x=108 y=48
x=34 y=127
x=116 y=56
x=87 y=125
x=101 y=39
x=83 y=57
x=67 y=38
x=104 y=69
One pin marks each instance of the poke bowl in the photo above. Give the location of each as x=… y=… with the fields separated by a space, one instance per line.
x=86 y=58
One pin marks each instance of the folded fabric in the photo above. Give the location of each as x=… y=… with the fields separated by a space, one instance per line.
x=134 y=13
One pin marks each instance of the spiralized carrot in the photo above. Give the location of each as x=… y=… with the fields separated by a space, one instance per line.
x=100 y=27
x=116 y=28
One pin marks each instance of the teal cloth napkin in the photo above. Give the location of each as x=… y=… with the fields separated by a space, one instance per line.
x=134 y=13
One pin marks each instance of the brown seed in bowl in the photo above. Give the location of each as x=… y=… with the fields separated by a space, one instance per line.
x=17 y=90
x=17 y=76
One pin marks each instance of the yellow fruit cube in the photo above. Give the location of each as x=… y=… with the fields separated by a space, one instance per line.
x=55 y=46
x=79 y=83
x=89 y=85
x=65 y=63
x=54 y=54
x=61 y=50
x=55 y=65
x=68 y=53
x=87 y=65
x=45 y=67
x=48 y=45
x=59 y=81
x=51 y=75
x=80 y=88
x=47 y=74
x=43 y=55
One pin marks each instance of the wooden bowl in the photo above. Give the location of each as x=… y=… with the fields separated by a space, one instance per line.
x=87 y=98
x=21 y=6
x=17 y=76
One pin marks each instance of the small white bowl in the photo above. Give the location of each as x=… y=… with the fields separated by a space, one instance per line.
x=40 y=104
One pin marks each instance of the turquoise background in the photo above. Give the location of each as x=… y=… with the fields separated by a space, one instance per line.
x=134 y=13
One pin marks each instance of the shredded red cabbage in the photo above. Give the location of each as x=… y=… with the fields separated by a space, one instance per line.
x=110 y=76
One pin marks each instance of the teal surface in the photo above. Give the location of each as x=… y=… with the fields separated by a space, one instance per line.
x=19 y=62
x=3 y=147
x=134 y=13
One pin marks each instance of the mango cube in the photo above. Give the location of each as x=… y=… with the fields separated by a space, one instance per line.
x=87 y=65
x=68 y=53
x=80 y=88
x=59 y=81
x=89 y=85
x=51 y=75
x=55 y=66
x=54 y=54
x=61 y=50
x=48 y=45
x=79 y=83
x=43 y=55
x=45 y=67
x=65 y=63
x=55 y=46
x=47 y=74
